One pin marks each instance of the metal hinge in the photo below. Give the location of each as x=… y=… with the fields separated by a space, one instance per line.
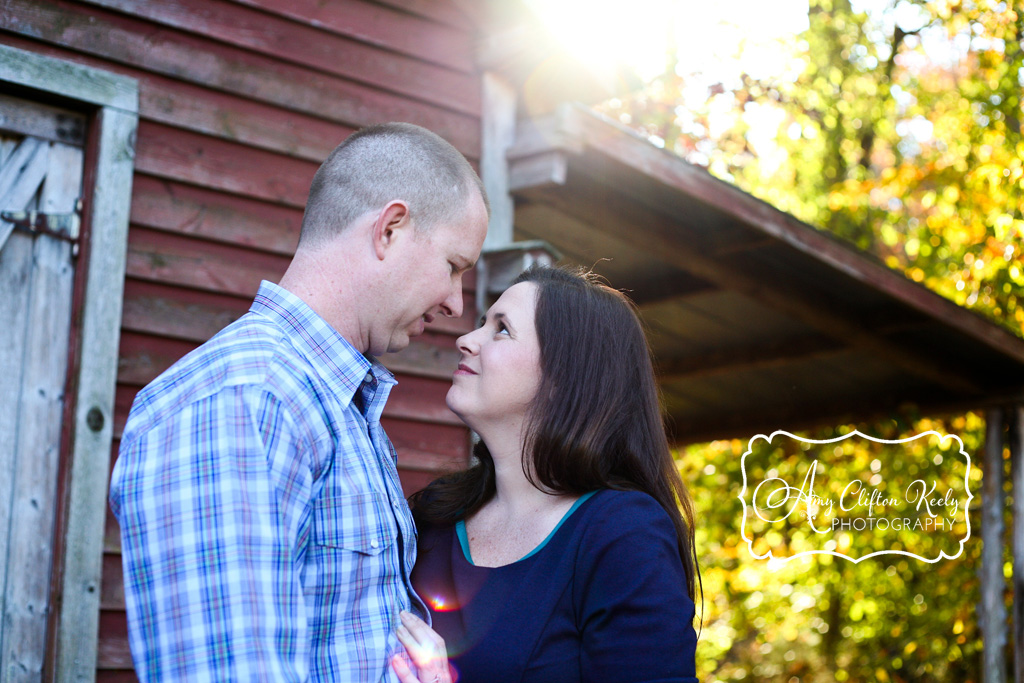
x=63 y=226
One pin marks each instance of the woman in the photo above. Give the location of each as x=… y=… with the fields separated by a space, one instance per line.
x=562 y=554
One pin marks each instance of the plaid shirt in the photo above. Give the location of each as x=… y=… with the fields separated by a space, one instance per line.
x=264 y=532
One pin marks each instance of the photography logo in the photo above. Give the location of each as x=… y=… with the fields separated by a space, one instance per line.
x=856 y=496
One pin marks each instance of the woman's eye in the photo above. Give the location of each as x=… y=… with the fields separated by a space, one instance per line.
x=502 y=329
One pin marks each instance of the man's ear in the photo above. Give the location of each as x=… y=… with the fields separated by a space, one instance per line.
x=392 y=223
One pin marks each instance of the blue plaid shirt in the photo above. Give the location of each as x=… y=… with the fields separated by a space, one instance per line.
x=264 y=532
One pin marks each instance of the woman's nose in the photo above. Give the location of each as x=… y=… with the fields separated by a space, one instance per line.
x=467 y=343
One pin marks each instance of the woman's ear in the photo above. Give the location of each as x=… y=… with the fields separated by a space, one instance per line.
x=391 y=225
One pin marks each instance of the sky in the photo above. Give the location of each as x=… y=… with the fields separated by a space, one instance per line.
x=707 y=34
x=716 y=42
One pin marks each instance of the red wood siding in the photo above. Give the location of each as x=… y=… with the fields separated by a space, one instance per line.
x=239 y=102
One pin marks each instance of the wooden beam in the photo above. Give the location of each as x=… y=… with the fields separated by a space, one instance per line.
x=733 y=248
x=992 y=610
x=538 y=170
x=575 y=240
x=498 y=132
x=42 y=121
x=611 y=212
x=677 y=288
x=754 y=358
x=102 y=261
x=1017 y=470
x=27 y=69
x=668 y=170
x=742 y=425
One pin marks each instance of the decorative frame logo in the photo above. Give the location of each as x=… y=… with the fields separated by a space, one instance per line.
x=892 y=515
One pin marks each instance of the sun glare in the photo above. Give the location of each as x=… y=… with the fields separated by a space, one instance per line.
x=717 y=39
x=607 y=34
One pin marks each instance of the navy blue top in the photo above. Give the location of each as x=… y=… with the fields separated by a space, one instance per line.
x=602 y=599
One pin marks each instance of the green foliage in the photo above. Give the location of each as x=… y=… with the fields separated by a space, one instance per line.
x=822 y=619
x=899 y=131
x=904 y=140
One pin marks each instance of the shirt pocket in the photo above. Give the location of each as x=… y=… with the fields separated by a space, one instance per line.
x=354 y=521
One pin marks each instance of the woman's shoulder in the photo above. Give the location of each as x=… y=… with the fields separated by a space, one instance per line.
x=626 y=508
x=617 y=518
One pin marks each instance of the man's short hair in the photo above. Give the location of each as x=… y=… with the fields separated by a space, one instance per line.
x=382 y=163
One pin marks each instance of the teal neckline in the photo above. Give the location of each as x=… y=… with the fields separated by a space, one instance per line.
x=460 y=531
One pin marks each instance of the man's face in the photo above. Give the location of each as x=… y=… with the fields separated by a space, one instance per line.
x=429 y=283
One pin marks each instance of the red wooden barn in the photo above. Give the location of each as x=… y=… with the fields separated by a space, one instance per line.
x=197 y=125
x=190 y=129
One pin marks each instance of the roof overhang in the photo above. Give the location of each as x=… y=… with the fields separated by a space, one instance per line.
x=757 y=320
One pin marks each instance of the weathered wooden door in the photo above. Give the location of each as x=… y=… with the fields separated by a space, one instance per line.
x=41 y=161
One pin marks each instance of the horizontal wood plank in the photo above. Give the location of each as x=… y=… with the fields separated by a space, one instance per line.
x=212 y=112
x=446 y=441
x=144 y=357
x=445 y=11
x=112 y=586
x=413 y=481
x=179 y=314
x=181 y=55
x=309 y=46
x=173 y=259
x=113 y=641
x=202 y=160
x=189 y=210
x=111 y=534
x=429 y=355
x=42 y=121
x=195 y=316
x=425 y=461
x=385 y=27
x=114 y=653
x=123 y=397
x=421 y=398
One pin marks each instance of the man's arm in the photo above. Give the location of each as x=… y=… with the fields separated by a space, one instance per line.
x=211 y=503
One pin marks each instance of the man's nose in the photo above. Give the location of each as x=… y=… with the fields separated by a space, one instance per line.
x=452 y=306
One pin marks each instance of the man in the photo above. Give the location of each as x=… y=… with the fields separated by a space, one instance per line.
x=264 y=532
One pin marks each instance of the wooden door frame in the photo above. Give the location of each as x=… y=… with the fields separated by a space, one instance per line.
x=112 y=102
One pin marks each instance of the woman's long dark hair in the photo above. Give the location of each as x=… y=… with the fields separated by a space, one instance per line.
x=596 y=421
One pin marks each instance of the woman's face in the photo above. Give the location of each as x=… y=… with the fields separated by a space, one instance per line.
x=499 y=372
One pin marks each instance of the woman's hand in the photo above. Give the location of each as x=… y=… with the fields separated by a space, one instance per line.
x=426 y=649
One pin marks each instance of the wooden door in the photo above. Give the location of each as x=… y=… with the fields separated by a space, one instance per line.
x=41 y=160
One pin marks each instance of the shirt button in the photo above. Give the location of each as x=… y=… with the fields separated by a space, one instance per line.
x=374 y=544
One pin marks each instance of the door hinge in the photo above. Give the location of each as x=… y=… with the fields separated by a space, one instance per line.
x=63 y=226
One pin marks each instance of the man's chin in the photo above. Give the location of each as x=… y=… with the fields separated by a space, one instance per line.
x=400 y=340
x=397 y=345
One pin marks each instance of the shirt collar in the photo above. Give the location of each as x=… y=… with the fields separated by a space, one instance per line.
x=338 y=363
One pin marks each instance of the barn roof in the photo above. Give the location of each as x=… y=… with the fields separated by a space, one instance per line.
x=758 y=321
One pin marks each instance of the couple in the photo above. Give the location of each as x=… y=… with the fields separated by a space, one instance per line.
x=264 y=531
